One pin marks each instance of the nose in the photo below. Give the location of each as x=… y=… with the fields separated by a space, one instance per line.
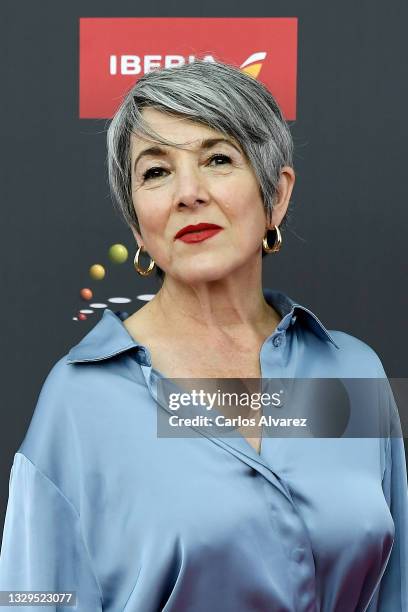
x=190 y=188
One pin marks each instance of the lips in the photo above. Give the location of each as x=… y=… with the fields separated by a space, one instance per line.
x=199 y=236
x=195 y=228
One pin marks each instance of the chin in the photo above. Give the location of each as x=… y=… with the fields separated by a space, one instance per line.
x=201 y=274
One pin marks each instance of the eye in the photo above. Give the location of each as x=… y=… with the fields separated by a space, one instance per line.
x=220 y=155
x=150 y=172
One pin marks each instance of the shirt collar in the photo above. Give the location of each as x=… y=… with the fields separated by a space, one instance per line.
x=109 y=336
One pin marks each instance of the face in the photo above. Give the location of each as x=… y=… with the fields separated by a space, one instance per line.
x=205 y=182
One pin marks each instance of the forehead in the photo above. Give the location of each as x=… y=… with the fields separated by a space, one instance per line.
x=172 y=127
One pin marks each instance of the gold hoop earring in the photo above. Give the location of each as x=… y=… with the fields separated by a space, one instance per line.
x=138 y=268
x=276 y=245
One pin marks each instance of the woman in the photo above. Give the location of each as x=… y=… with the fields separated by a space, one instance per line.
x=134 y=521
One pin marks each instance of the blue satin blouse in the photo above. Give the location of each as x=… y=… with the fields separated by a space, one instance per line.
x=133 y=522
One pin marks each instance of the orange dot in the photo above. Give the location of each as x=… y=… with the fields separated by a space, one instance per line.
x=86 y=294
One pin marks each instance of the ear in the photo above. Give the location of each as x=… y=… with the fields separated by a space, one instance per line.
x=137 y=236
x=282 y=196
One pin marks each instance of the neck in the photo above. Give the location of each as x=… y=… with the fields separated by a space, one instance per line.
x=221 y=307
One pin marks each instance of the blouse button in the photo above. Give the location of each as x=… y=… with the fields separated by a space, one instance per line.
x=298 y=555
x=277 y=341
x=142 y=356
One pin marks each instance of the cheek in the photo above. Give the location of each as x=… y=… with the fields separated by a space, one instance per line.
x=245 y=204
x=243 y=188
x=247 y=216
x=151 y=212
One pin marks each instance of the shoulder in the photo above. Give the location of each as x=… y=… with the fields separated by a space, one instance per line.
x=62 y=383
x=49 y=415
x=50 y=397
x=360 y=357
x=49 y=443
x=68 y=402
x=75 y=395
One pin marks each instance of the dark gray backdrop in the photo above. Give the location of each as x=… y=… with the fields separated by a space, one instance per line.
x=346 y=258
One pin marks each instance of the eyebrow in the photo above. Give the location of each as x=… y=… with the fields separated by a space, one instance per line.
x=205 y=144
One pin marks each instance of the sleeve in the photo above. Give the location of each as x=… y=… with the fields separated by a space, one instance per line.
x=42 y=547
x=391 y=594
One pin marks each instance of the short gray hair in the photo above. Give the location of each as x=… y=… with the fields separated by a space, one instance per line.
x=215 y=94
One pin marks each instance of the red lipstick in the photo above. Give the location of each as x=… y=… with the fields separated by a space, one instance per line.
x=197 y=233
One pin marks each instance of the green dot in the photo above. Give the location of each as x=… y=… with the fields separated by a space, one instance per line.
x=118 y=253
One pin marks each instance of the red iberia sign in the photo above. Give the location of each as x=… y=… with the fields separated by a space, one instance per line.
x=115 y=52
